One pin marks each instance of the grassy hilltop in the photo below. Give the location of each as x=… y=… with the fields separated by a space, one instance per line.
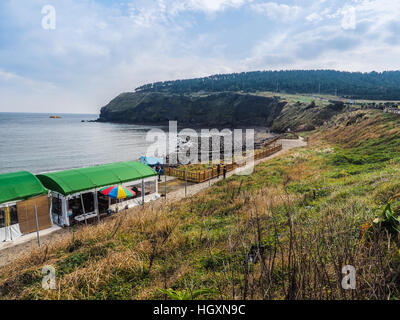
x=284 y=232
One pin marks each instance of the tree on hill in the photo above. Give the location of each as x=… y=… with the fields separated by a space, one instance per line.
x=354 y=85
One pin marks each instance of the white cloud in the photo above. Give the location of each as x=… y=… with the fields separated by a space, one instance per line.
x=13 y=80
x=173 y=8
x=96 y=52
x=314 y=17
x=349 y=20
x=277 y=11
x=360 y=37
x=214 y=5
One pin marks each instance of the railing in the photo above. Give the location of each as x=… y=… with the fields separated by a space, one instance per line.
x=273 y=141
x=205 y=175
x=263 y=153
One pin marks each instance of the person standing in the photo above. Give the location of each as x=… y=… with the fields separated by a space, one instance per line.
x=218 y=170
x=224 y=172
x=158 y=170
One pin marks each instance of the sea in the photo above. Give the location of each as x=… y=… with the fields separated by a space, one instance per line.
x=37 y=143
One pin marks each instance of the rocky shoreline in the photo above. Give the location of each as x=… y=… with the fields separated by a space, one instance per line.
x=261 y=137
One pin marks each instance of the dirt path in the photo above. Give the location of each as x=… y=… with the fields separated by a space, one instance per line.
x=10 y=251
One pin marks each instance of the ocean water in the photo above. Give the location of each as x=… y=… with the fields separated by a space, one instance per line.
x=36 y=143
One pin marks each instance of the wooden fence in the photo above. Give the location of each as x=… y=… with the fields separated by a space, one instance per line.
x=273 y=141
x=205 y=175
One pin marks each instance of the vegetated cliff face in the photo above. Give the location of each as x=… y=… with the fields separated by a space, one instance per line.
x=216 y=109
x=303 y=117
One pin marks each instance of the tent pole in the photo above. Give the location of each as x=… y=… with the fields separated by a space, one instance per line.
x=96 y=202
x=7 y=221
x=37 y=225
x=64 y=211
x=83 y=208
x=143 y=191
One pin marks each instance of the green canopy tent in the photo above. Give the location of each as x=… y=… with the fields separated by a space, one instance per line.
x=78 y=181
x=15 y=190
x=18 y=186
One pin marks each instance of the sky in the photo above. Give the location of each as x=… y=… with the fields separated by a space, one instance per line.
x=74 y=56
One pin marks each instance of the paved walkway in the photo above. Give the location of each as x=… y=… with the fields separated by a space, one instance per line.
x=10 y=250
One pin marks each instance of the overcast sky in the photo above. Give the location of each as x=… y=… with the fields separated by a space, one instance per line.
x=100 y=48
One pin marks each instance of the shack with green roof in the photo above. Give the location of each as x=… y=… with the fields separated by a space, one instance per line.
x=75 y=193
x=23 y=201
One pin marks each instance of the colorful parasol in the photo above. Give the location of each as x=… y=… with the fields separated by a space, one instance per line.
x=118 y=192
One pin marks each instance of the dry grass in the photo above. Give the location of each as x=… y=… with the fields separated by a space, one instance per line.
x=246 y=238
x=295 y=255
x=349 y=129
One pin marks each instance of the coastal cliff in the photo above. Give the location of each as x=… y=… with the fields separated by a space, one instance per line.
x=215 y=109
x=227 y=109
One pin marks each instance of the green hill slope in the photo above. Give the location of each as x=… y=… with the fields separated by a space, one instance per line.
x=284 y=232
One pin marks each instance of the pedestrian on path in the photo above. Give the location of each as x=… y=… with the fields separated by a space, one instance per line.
x=224 y=172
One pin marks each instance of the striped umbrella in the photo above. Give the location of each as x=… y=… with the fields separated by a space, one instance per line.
x=118 y=192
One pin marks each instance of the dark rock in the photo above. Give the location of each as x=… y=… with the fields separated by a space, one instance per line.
x=227 y=109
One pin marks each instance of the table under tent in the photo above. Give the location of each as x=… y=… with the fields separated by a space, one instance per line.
x=75 y=193
x=20 y=192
